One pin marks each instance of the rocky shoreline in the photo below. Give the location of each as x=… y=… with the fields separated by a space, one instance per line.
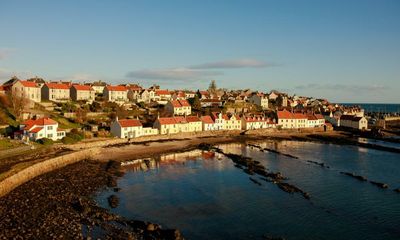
x=58 y=205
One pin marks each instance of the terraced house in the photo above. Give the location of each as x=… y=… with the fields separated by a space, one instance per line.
x=178 y=107
x=82 y=93
x=115 y=93
x=27 y=89
x=56 y=92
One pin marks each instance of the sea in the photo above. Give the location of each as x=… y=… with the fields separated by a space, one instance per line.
x=377 y=107
x=206 y=196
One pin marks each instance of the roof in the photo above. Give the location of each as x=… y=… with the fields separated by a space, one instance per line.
x=116 y=88
x=36 y=130
x=57 y=86
x=167 y=120
x=82 y=87
x=284 y=114
x=299 y=116
x=180 y=103
x=162 y=92
x=130 y=123
x=207 y=119
x=193 y=119
x=28 y=84
x=256 y=119
x=350 y=118
x=39 y=122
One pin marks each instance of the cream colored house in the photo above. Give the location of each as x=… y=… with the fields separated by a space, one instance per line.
x=126 y=128
x=115 y=93
x=26 y=89
x=208 y=123
x=315 y=120
x=194 y=124
x=171 y=125
x=42 y=128
x=146 y=96
x=352 y=121
x=256 y=122
x=98 y=86
x=288 y=120
x=178 y=107
x=226 y=122
x=82 y=93
x=56 y=92
x=259 y=99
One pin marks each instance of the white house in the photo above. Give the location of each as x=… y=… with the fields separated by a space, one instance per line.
x=256 y=122
x=170 y=125
x=82 y=93
x=178 y=107
x=227 y=122
x=259 y=99
x=287 y=119
x=352 y=121
x=57 y=92
x=315 y=120
x=115 y=93
x=27 y=89
x=208 y=123
x=126 y=128
x=194 y=124
x=41 y=128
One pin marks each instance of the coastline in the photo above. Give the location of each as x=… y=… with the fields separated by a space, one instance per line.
x=65 y=195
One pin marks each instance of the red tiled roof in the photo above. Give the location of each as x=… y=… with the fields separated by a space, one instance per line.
x=184 y=103
x=167 y=120
x=116 y=88
x=193 y=119
x=162 y=92
x=285 y=115
x=57 y=86
x=36 y=130
x=40 y=122
x=207 y=119
x=180 y=119
x=204 y=93
x=82 y=87
x=176 y=103
x=129 y=123
x=28 y=84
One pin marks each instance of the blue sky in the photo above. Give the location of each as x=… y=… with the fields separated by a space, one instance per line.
x=346 y=51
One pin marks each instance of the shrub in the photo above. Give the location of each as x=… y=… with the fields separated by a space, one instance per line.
x=45 y=141
x=68 y=140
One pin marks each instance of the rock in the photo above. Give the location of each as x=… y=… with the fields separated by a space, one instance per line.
x=397 y=190
x=381 y=185
x=150 y=227
x=113 y=201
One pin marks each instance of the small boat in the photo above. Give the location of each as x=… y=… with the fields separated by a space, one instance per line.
x=208 y=154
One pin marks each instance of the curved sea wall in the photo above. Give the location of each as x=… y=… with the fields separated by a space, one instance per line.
x=10 y=183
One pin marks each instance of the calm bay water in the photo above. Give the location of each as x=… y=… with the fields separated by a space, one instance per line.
x=377 y=107
x=209 y=198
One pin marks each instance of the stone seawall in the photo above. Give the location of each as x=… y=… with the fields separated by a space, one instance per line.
x=10 y=183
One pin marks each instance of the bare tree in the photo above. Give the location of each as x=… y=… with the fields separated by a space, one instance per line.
x=18 y=104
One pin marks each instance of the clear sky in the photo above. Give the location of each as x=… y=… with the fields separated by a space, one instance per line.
x=346 y=51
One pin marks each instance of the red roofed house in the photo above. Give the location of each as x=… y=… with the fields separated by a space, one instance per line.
x=256 y=122
x=194 y=124
x=126 y=128
x=226 y=122
x=179 y=107
x=82 y=93
x=287 y=119
x=208 y=123
x=162 y=95
x=42 y=128
x=315 y=120
x=171 y=125
x=115 y=93
x=56 y=92
x=27 y=89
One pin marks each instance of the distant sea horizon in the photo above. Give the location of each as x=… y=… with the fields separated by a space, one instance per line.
x=377 y=107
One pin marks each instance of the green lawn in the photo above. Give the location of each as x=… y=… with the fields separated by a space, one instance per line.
x=7 y=143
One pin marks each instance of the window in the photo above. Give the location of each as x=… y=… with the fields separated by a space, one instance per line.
x=49 y=135
x=50 y=128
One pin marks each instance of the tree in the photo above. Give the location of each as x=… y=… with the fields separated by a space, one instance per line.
x=213 y=87
x=195 y=102
x=18 y=104
x=81 y=115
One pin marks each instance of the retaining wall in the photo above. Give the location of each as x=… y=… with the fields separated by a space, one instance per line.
x=10 y=183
